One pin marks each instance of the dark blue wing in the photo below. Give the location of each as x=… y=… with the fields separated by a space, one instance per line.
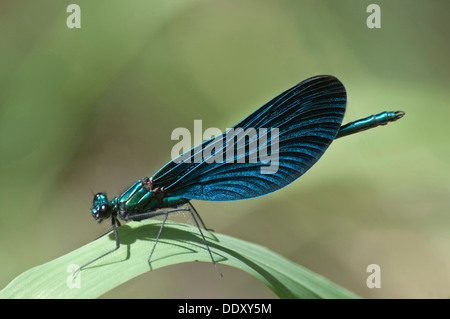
x=308 y=117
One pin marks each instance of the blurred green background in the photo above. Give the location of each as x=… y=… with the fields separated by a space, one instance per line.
x=92 y=109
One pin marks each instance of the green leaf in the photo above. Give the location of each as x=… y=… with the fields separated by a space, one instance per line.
x=178 y=243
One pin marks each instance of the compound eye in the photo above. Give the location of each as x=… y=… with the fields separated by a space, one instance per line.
x=105 y=211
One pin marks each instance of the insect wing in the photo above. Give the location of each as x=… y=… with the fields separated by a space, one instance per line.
x=307 y=117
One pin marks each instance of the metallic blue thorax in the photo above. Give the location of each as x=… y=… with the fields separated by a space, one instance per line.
x=141 y=198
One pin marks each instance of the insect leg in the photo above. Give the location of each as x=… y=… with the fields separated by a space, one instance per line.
x=113 y=224
x=166 y=213
x=199 y=218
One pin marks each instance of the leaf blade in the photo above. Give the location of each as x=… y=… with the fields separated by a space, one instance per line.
x=178 y=243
